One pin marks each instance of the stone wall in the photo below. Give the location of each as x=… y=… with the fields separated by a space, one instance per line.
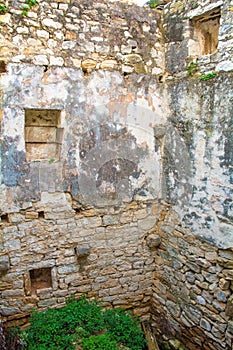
x=85 y=35
x=192 y=289
x=116 y=162
x=102 y=253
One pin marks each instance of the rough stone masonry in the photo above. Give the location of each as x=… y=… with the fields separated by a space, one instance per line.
x=116 y=162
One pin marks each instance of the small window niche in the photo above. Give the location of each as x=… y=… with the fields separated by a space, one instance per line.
x=4 y=218
x=3 y=68
x=40 y=279
x=43 y=134
x=205 y=33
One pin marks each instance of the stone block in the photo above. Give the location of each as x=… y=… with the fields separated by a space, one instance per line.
x=40 y=60
x=229 y=307
x=8 y=311
x=221 y=295
x=37 y=151
x=230 y=327
x=5 y=285
x=132 y=59
x=88 y=65
x=67 y=269
x=224 y=284
x=12 y=245
x=201 y=300
x=147 y=224
x=173 y=308
x=109 y=64
x=40 y=134
x=68 y=45
x=4 y=263
x=205 y=324
x=219 y=306
x=127 y=69
x=153 y=241
x=51 y=23
x=27 y=284
x=82 y=251
x=47 y=303
x=31 y=215
x=110 y=220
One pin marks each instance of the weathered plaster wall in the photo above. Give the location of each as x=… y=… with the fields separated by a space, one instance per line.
x=137 y=210
x=198 y=169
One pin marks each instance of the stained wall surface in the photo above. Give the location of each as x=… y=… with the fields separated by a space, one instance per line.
x=116 y=162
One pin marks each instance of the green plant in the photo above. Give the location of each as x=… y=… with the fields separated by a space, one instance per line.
x=125 y=328
x=100 y=342
x=28 y=6
x=208 y=76
x=51 y=160
x=3 y=8
x=192 y=68
x=153 y=3
x=84 y=323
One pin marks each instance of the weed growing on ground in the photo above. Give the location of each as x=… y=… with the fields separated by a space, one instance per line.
x=86 y=324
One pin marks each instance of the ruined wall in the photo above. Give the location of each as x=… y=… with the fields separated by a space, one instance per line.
x=116 y=162
x=193 y=279
x=88 y=35
x=77 y=147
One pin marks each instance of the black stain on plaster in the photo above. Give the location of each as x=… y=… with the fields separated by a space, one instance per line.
x=98 y=135
x=228 y=208
x=115 y=170
x=227 y=161
x=74 y=185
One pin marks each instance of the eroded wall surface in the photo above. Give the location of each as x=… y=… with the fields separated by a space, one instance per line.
x=116 y=162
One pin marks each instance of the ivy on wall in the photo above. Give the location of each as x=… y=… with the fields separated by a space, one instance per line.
x=28 y=4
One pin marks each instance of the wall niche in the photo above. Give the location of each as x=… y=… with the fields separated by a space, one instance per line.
x=43 y=134
x=40 y=279
x=205 y=30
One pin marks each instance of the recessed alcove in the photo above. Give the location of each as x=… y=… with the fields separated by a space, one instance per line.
x=205 y=30
x=43 y=135
x=3 y=68
x=40 y=279
x=41 y=214
x=4 y=218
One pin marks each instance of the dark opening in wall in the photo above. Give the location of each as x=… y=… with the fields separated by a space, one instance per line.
x=4 y=218
x=3 y=67
x=205 y=33
x=40 y=279
x=41 y=214
x=43 y=136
